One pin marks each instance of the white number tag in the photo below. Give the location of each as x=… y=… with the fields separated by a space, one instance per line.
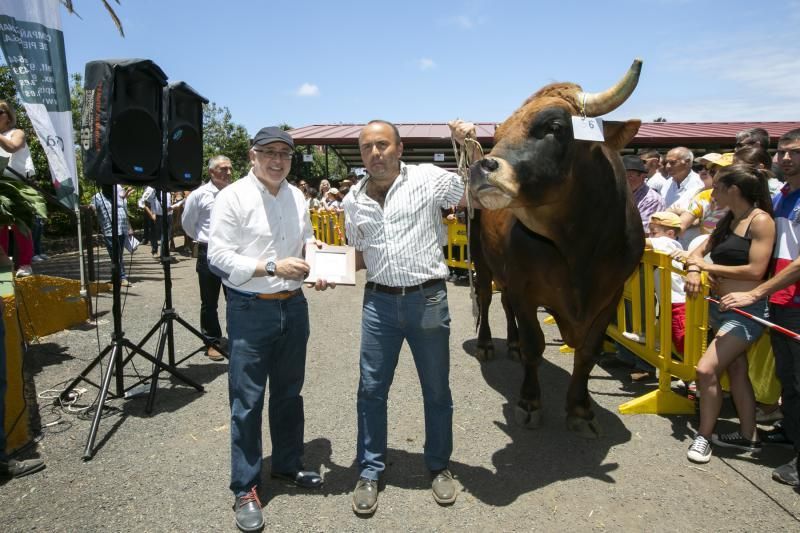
x=587 y=128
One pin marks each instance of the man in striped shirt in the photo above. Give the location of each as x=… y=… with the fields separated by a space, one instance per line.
x=392 y=220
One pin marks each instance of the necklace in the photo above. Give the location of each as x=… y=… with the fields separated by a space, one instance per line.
x=741 y=217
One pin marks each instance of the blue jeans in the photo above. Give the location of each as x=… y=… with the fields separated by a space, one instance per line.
x=109 y=241
x=266 y=338
x=423 y=319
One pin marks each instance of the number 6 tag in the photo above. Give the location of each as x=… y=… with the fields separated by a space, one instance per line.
x=587 y=128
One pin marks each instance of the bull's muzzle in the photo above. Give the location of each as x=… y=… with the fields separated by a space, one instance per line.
x=491 y=181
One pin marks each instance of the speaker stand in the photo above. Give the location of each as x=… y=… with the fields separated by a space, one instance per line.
x=119 y=342
x=165 y=324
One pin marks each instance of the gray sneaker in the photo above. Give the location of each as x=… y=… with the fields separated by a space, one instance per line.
x=700 y=450
x=787 y=473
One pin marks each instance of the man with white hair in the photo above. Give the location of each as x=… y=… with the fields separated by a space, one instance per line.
x=681 y=186
x=196 y=222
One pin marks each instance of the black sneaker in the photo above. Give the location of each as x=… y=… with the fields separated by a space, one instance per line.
x=787 y=473
x=736 y=440
x=775 y=436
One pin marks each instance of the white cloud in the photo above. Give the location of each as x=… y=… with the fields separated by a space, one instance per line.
x=464 y=22
x=426 y=63
x=308 y=89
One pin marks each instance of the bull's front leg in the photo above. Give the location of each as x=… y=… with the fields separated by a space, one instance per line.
x=512 y=333
x=528 y=412
x=483 y=292
x=580 y=417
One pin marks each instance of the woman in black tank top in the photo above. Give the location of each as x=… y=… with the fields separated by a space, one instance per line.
x=740 y=249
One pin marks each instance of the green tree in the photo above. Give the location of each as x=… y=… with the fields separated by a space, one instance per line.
x=222 y=136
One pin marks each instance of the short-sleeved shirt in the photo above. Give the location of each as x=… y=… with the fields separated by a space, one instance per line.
x=705 y=209
x=400 y=241
x=786 y=207
x=666 y=245
x=102 y=206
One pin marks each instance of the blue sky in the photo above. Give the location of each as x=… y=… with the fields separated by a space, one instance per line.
x=315 y=62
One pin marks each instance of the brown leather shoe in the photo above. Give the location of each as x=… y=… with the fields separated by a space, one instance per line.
x=214 y=354
x=444 y=488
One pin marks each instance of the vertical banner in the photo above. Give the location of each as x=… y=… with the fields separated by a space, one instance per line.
x=33 y=46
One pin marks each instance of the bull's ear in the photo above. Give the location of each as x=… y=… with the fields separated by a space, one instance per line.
x=619 y=134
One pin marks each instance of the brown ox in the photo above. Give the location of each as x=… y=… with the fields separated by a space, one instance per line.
x=558 y=230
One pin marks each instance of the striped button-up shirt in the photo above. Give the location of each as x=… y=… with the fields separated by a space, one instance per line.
x=102 y=206
x=400 y=241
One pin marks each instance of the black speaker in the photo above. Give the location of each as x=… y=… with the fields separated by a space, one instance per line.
x=121 y=124
x=183 y=123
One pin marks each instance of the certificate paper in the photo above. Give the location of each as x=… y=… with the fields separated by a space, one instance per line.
x=336 y=264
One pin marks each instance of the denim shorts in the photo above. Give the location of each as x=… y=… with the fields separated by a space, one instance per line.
x=731 y=322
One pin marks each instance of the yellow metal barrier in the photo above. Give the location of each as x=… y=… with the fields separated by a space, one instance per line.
x=328 y=226
x=457 y=243
x=657 y=347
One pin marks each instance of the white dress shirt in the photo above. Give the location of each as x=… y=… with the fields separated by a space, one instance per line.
x=152 y=197
x=400 y=241
x=680 y=195
x=248 y=224
x=196 y=218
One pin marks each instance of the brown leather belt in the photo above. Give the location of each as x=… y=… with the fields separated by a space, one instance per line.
x=282 y=295
x=371 y=285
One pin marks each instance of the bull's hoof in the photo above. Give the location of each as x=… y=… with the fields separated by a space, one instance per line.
x=514 y=352
x=529 y=419
x=588 y=429
x=485 y=353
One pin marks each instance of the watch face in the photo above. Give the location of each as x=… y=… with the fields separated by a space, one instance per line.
x=270 y=268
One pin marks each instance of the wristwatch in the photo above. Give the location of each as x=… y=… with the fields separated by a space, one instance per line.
x=270 y=268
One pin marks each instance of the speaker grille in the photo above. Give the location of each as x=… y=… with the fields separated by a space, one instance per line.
x=136 y=144
x=185 y=161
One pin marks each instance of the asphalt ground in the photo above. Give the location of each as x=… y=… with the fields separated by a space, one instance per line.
x=169 y=470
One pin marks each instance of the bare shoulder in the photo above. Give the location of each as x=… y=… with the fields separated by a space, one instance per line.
x=762 y=224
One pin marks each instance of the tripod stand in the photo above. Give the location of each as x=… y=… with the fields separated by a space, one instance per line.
x=114 y=350
x=169 y=315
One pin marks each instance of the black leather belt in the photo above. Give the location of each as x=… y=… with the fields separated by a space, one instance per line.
x=371 y=285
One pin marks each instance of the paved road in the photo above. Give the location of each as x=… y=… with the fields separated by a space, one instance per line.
x=168 y=471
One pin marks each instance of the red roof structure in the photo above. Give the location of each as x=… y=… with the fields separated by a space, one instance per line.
x=422 y=142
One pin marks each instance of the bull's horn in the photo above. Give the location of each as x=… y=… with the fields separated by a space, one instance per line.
x=596 y=104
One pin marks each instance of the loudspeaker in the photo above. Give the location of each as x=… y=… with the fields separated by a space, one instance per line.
x=183 y=123
x=121 y=124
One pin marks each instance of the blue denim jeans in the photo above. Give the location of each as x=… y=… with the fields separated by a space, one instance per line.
x=267 y=338
x=422 y=318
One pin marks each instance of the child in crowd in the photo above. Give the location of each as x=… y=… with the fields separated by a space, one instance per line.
x=665 y=228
